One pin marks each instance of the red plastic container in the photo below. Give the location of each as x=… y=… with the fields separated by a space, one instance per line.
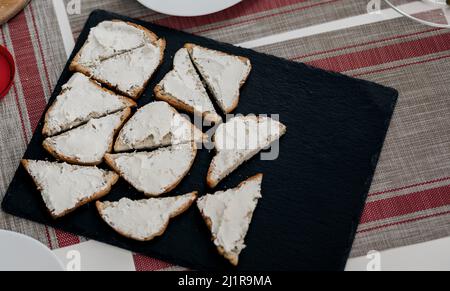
x=7 y=71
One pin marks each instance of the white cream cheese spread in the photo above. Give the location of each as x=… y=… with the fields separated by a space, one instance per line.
x=129 y=71
x=143 y=219
x=155 y=125
x=80 y=101
x=240 y=139
x=230 y=213
x=184 y=84
x=63 y=186
x=108 y=39
x=223 y=74
x=155 y=172
x=88 y=143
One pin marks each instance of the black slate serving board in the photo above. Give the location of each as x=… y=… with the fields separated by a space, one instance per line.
x=313 y=194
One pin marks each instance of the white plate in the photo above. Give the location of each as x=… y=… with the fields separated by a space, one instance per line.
x=22 y=253
x=188 y=7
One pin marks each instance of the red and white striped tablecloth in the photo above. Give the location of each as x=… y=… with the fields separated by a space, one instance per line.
x=409 y=201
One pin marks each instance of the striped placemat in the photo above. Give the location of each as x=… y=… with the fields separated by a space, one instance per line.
x=410 y=197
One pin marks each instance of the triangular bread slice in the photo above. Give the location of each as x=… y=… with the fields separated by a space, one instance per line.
x=110 y=38
x=121 y=55
x=87 y=144
x=224 y=74
x=183 y=89
x=228 y=215
x=156 y=125
x=157 y=172
x=81 y=99
x=144 y=220
x=66 y=187
x=238 y=140
x=130 y=72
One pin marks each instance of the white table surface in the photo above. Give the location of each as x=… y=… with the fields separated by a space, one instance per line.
x=430 y=256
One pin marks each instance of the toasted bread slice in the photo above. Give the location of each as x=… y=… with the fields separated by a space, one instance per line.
x=157 y=172
x=224 y=74
x=238 y=140
x=87 y=144
x=146 y=219
x=81 y=99
x=121 y=55
x=111 y=38
x=228 y=215
x=183 y=89
x=156 y=125
x=66 y=187
x=130 y=72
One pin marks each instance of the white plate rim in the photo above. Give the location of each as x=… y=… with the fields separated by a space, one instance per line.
x=201 y=7
x=36 y=244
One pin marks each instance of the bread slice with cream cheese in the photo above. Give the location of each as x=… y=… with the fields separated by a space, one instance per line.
x=228 y=215
x=81 y=99
x=183 y=89
x=156 y=125
x=66 y=187
x=110 y=38
x=121 y=55
x=144 y=220
x=87 y=144
x=157 y=172
x=224 y=74
x=238 y=140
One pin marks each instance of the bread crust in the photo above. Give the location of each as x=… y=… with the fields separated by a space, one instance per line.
x=210 y=180
x=231 y=257
x=128 y=102
x=190 y=47
x=59 y=156
x=119 y=146
x=101 y=206
x=112 y=179
x=112 y=164
x=136 y=92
